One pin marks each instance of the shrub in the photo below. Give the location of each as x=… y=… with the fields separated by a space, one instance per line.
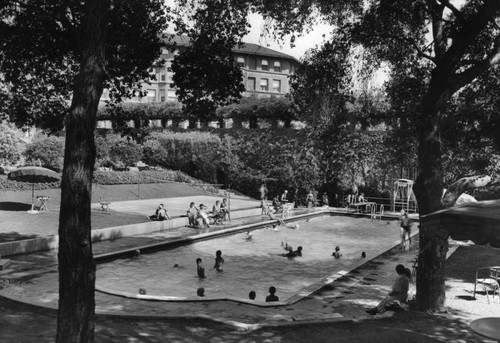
x=195 y=152
x=11 y=144
x=48 y=151
x=145 y=176
x=125 y=153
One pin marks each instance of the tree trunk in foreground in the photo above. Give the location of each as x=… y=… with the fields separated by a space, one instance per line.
x=75 y=322
x=433 y=245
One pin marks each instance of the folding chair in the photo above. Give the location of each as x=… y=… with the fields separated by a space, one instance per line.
x=489 y=278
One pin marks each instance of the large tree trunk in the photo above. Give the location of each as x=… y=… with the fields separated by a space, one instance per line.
x=75 y=322
x=428 y=190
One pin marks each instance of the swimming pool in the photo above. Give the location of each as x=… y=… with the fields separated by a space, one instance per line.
x=253 y=264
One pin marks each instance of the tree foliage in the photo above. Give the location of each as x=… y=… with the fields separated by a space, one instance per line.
x=11 y=144
x=48 y=151
x=41 y=46
x=205 y=72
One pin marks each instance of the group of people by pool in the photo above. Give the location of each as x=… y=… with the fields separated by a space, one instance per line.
x=218 y=266
x=200 y=217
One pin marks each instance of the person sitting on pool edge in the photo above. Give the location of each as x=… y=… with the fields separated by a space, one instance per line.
x=337 y=252
x=192 y=213
x=200 y=269
x=219 y=261
x=202 y=219
x=272 y=295
x=160 y=214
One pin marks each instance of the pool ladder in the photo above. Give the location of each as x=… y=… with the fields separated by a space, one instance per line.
x=374 y=214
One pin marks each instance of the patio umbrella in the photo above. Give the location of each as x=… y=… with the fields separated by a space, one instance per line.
x=34 y=175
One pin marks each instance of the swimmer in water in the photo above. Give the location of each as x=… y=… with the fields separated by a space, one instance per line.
x=248 y=236
x=219 y=261
x=200 y=269
x=337 y=252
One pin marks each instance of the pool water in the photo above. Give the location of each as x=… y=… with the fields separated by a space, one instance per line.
x=254 y=264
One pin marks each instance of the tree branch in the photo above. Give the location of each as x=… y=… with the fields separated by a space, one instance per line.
x=455 y=11
x=470 y=74
x=406 y=40
x=466 y=183
x=440 y=38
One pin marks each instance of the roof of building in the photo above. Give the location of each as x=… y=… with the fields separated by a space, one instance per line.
x=246 y=48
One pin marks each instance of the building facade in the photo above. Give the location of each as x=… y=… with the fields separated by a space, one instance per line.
x=265 y=73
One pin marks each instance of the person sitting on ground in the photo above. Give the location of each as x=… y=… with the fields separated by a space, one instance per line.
x=224 y=208
x=252 y=295
x=272 y=295
x=200 y=269
x=200 y=292
x=219 y=261
x=284 y=196
x=337 y=252
x=160 y=214
x=192 y=213
x=202 y=217
x=325 y=200
x=399 y=292
x=273 y=217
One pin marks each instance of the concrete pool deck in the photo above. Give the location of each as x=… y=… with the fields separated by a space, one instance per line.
x=33 y=279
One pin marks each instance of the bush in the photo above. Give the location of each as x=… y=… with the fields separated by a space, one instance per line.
x=195 y=152
x=47 y=151
x=125 y=153
x=11 y=185
x=11 y=144
x=145 y=176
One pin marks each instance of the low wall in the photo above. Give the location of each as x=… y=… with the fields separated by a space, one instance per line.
x=51 y=242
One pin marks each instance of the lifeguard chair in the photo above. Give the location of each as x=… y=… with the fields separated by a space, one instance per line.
x=403 y=196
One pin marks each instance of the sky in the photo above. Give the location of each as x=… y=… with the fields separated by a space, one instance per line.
x=302 y=44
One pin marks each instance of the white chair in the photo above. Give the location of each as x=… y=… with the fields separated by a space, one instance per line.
x=489 y=278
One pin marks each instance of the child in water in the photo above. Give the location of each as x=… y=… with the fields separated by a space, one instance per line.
x=200 y=269
x=219 y=261
x=337 y=252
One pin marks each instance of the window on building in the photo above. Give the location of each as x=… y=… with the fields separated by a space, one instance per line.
x=251 y=84
x=162 y=95
x=151 y=95
x=265 y=65
x=277 y=66
x=240 y=61
x=264 y=85
x=277 y=86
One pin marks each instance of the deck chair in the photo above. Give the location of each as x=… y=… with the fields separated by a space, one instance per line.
x=217 y=217
x=489 y=278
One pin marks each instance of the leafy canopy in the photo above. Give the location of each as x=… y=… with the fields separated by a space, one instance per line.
x=41 y=46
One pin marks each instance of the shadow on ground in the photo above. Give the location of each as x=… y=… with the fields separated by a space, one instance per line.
x=14 y=206
x=14 y=236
